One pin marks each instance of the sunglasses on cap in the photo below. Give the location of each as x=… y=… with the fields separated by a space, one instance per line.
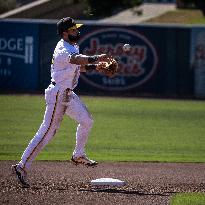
x=75 y=26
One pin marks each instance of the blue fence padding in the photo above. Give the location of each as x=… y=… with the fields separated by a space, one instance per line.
x=19 y=45
x=159 y=63
x=48 y=40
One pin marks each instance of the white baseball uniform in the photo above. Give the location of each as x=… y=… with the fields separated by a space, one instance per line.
x=60 y=100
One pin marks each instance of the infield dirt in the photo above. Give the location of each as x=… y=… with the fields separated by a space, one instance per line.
x=54 y=182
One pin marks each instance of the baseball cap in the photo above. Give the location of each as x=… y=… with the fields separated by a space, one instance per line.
x=65 y=24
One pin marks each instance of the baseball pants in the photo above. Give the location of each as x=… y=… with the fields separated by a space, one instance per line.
x=59 y=103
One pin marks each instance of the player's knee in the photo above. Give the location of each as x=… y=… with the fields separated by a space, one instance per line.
x=88 y=122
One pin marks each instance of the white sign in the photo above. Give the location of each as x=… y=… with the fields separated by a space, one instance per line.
x=14 y=47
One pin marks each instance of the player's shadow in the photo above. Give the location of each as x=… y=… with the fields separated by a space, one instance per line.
x=123 y=191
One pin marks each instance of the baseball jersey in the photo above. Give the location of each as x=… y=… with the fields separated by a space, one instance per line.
x=63 y=73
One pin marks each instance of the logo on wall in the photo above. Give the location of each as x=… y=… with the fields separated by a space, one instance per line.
x=136 y=66
x=13 y=50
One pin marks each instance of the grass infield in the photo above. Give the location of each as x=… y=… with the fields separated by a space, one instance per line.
x=188 y=199
x=124 y=129
x=180 y=16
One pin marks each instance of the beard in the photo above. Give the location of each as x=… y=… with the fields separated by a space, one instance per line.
x=74 y=39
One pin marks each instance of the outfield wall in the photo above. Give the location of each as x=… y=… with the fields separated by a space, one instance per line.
x=164 y=60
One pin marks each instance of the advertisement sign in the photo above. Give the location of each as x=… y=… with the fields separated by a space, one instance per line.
x=18 y=56
x=198 y=60
x=136 y=66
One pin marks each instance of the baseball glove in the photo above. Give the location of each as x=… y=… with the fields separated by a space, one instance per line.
x=109 y=68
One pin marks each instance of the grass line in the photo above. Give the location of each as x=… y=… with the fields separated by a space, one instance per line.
x=188 y=199
x=180 y=16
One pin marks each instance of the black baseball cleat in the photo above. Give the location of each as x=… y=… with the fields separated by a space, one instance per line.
x=83 y=160
x=21 y=175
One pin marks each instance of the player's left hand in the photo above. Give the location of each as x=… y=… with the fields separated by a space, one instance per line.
x=108 y=68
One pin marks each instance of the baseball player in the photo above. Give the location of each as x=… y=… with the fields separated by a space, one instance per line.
x=66 y=66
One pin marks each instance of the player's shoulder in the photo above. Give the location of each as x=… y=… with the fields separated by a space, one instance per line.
x=63 y=47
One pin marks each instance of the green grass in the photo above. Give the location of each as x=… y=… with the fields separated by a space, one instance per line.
x=181 y=16
x=188 y=199
x=124 y=129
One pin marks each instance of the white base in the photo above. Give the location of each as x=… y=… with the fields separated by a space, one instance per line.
x=107 y=182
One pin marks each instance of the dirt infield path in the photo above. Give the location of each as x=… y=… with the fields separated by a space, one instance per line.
x=56 y=182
